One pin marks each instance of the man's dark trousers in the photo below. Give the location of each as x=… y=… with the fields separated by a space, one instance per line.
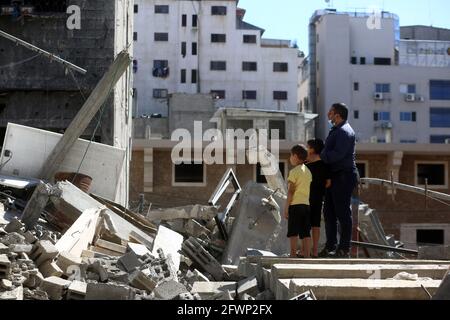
x=338 y=209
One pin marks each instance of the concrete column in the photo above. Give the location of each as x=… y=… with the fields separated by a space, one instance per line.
x=394 y=163
x=148 y=170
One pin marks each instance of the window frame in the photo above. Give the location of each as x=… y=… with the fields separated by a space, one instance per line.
x=439 y=126
x=216 y=62
x=219 y=35
x=221 y=97
x=285 y=176
x=160 y=6
x=430 y=186
x=156 y=34
x=251 y=36
x=219 y=10
x=159 y=90
x=281 y=64
x=250 y=64
x=284 y=99
x=244 y=95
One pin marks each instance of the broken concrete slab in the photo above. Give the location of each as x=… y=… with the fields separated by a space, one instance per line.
x=109 y=291
x=169 y=290
x=55 y=287
x=282 y=289
x=363 y=289
x=21 y=248
x=43 y=250
x=207 y=290
x=143 y=280
x=188 y=212
x=67 y=262
x=15 y=294
x=170 y=242
x=77 y=290
x=247 y=286
x=50 y=268
x=129 y=261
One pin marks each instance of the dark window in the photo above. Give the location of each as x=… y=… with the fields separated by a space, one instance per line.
x=435 y=173
x=136 y=8
x=280 y=95
x=279 y=125
x=183 y=49
x=135 y=66
x=218 y=94
x=160 y=63
x=249 y=66
x=183 y=75
x=356 y=114
x=249 y=95
x=440 y=139
x=382 y=116
x=249 y=38
x=280 y=67
x=440 y=89
x=161 y=9
x=260 y=178
x=411 y=88
x=218 y=37
x=382 y=61
x=161 y=36
x=353 y=60
x=194 y=76
x=362 y=170
x=194 y=48
x=159 y=93
x=183 y=20
x=160 y=68
x=427 y=237
x=383 y=87
x=189 y=173
x=135 y=36
x=240 y=124
x=219 y=10
x=218 y=65
x=356 y=86
x=408 y=116
x=440 y=117
x=362 y=60
x=194 y=21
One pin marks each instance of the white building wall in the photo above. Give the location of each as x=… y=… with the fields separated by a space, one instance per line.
x=234 y=52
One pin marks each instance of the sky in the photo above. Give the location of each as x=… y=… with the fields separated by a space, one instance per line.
x=288 y=19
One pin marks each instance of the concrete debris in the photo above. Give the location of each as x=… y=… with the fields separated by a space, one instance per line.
x=169 y=290
x=443 y=292
x=247 y=286
x=188 y=212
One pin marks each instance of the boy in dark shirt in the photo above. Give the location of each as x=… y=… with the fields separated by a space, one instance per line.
x=321 y=180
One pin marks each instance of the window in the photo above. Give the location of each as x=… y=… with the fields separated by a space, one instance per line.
x=440 y=89
x=249 y=66
x=183 y=75
x=249 y=95
x=249 y=38
x=194 y=48
x=135 y=66
x=429 y=237
x=136 y=8
x=218 y=37
x=135 y=36
x=381 y=140
x=260 y=178
x=218 y=65
x=183 y=49
x=353 y=60
x=408 y=116
x=356 y=114
x=161 y=36
x=440 y=139
x=408 y=140
x=194 y=21
x=240 y=124
x=190 y=174
x=280 y=95
x=382 y=116
x=279 y=125
x=411 y=88
x=159 y=93
x=383 y=87
x=408 y=88
x=382 y=61
x=219 y=10
x=362 y=60
x=440 y=117
x=435 y=172
x=356 y=86
x=363 y=167
x=160 y=68
x=194 y=76
x=218 y=94
x=183 y=20
x=280 y=67
x=161 y=9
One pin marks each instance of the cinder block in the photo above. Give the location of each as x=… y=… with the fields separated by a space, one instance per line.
x=21 y=248
x=247 y=286
x=142 y=279
x=50 y=268
x=77 y=290
x=108 y=291
x=55 y=287
x=44 y=250
x=169 y=290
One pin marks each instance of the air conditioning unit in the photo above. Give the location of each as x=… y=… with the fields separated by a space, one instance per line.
x=420 y=98
x=410 y=97
x=378 y=96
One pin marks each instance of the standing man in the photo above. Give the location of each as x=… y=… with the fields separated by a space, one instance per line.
x=339 y=154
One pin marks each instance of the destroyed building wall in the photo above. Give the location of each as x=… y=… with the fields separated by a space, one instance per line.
x=36 y=92
x=408 y=207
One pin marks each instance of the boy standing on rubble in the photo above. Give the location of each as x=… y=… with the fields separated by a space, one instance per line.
x=321 y=180
x=297 y=205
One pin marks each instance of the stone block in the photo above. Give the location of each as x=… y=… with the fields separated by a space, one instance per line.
x=55 y=287
x=67 y=262
x=44 y=250
x=142 y=279
x=109 y=291
x=169 y=290
x=50 y=268
x=21 y=248
x=77 y=290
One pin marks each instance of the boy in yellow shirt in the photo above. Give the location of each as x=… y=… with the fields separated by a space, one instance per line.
x=296 y=210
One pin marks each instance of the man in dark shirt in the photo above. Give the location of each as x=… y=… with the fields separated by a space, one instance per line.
x=339 y=154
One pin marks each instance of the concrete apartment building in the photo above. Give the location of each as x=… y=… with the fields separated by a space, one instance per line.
x=396 y=82
x=39 y=93
x=206 y=47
